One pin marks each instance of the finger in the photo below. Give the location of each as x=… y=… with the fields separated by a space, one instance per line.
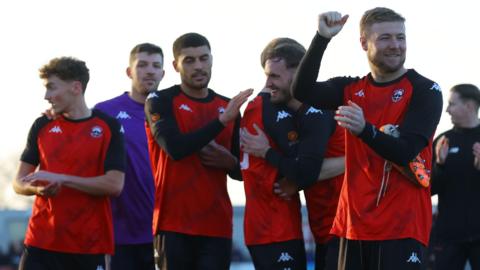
x=258 y=130
x=354 y=105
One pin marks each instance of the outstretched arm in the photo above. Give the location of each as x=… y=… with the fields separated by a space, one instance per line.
x=327 y=95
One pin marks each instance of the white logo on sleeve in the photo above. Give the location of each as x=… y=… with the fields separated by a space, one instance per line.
x=221 y=109
x=123 y=115
x=282 y=115
x=152 y=95
x=312 y=110
x=414 y=258
x=285 y=257
x=454 y=150
x=360 y=93
x=122 y=130
x=185 y=108
x=99 y=267
x=436 y=87
x=55 y=129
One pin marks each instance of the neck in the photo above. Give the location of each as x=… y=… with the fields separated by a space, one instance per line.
x=382 y=77
x=78 y=111
x=195 y=93
x=138 y=97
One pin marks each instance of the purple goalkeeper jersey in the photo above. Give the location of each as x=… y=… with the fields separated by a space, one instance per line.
x=133 y=209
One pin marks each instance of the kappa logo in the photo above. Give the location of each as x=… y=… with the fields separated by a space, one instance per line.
x=221 y=109
x=96 y=132
x=282 y=115
x=414 y=258
x=397 y=95
x=123 y=115
x=122 y=130
x=55 y=129
x=245 y=164
x=285 y=257
x=312 y=110
x=185 y=108
x=152 y=95
x=360 y=93
x=454 y=150
x=436 y=87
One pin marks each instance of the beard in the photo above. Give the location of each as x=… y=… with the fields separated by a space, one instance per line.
x=383 y=66
x=192 y=84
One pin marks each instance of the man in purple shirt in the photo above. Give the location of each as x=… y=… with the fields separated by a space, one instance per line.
x=133 y=209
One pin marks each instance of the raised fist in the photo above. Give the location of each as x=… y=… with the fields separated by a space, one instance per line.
x=330 y=23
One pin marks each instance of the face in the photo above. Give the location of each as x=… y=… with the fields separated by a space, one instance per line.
x=458 y=109
x=195 y=67
x=279 y=79
x=386 y=46
x=146 y=72
x=61 y=94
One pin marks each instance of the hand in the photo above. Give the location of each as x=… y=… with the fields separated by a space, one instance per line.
x=476 y=154
x=285 y=188
x=330 y=23
x=50 y=114
x=441 y=150
x=42 y=178
x=256 y=145
x=233 y=107
x=44 y=183
x=216 y=156
x=351 y=117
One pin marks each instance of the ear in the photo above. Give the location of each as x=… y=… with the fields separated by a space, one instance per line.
x=163 y=74
x=364 y=43
x=77 y=88
x=174 y=63
x=129 y=72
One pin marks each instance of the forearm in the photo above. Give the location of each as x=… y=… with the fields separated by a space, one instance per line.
x=398 y=150
x=21 y=187
x=178 y=145
x=332 y=167
x=307 y=72
x=109 y=184
x=24 y=189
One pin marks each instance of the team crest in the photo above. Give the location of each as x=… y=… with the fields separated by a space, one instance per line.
x=292 y=135
x=96 y=132
x=155 y=117
x=397 y=95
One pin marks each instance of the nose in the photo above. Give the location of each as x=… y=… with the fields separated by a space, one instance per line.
x=47 y=96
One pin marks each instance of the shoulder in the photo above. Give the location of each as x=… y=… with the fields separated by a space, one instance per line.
x=217 y=95
x=420 y=82
x=40 y=122
x=110 y=102
x=109 y=120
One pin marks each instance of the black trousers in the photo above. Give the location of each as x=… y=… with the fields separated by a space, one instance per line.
x=177 y=251
x=400 y=254
x=40 y=259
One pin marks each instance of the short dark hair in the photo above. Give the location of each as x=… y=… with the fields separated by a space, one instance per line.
x=285 y=48
x=467 y=92
x=145 y=47
x=189 y=40
x=66 y=69
x=378 y=15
